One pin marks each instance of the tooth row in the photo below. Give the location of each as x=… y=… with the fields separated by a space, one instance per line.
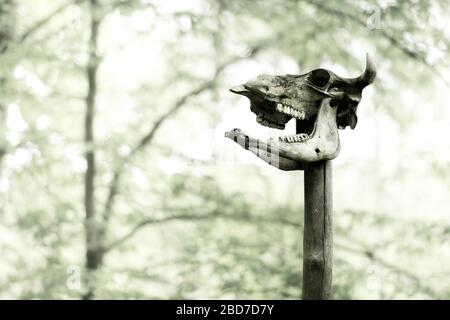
x=295 y=137
x=290 y=111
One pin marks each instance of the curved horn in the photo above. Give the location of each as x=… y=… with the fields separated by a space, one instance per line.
x=369 y=73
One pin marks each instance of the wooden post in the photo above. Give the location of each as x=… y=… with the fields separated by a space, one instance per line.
x=318 y=231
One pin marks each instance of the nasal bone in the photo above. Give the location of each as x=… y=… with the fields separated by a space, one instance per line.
x=238 y=89
x=256 y=85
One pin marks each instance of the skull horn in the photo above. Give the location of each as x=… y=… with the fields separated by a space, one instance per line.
x=369 y=73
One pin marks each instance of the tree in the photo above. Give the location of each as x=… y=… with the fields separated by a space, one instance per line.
x=111 y=163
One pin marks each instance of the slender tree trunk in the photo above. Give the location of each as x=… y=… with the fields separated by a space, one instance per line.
x=94 y=251
x=7 y=25
x=318 y=232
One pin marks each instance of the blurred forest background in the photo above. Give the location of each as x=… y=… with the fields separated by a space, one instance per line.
x=116 y=180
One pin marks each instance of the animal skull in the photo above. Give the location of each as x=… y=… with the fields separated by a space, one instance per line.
x=320 y=101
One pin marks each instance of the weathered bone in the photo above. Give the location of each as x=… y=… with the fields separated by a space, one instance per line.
x=320 y=100
x=322 y=145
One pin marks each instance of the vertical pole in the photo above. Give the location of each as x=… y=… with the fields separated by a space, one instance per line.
x=318 y=226
x=318 y=232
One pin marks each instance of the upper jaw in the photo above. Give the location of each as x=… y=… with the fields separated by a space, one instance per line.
x=263 y=107
x=273 y=112
x=270 y=105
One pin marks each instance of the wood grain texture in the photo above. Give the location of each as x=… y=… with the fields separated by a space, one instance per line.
x=318 y=232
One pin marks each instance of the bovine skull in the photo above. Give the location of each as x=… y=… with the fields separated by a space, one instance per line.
x=320 y=100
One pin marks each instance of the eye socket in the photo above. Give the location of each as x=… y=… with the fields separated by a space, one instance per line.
x=319 y=78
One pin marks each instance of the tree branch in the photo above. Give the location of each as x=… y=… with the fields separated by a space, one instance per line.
x=373 y=256
x=147 y=222
x=148 y=137
x=367 y=253
x=41 y=23
x=394 y=41
x=191 y=217
x=144 y=141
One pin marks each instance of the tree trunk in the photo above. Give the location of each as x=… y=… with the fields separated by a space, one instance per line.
x=94 y=251
x=7 y=25
x=318 y=232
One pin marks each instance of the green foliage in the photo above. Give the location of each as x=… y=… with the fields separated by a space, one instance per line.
x=186 y=221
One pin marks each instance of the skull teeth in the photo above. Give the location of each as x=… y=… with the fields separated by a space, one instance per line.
x=288 y=110
x=301 y=137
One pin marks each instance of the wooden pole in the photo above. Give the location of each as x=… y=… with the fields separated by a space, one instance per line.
x=318 y=231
